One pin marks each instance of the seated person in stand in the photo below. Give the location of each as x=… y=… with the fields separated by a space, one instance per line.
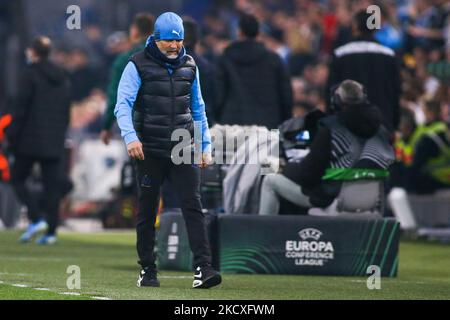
x=349 y=144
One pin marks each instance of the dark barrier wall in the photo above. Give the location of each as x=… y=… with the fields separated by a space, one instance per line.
x=288 y=244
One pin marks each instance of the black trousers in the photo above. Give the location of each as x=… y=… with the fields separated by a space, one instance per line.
x=51 y=180
x=185 y=181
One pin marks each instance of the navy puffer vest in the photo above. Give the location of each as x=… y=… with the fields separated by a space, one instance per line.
x=163 y=103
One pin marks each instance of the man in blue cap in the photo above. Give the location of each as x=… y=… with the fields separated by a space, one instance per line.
x=159 y=92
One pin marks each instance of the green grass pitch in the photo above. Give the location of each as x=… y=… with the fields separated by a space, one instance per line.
x=109 y=270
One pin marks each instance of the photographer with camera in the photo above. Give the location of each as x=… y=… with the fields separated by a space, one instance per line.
x=348 y=143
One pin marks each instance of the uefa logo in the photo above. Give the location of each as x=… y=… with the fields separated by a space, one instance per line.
x=310 y=233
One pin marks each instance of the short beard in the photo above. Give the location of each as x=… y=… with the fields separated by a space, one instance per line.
x=171 y=55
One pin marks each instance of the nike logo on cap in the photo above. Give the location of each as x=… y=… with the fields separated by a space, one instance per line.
x=177 y=33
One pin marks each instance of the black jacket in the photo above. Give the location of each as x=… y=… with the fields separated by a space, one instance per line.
x=207 y=84
x=363 y=121
x=41 y=112
x=377 y=68
x=253 y=86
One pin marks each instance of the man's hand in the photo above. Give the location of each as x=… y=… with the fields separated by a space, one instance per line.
x=135 y=150
x=206 y=160
x=105 y=136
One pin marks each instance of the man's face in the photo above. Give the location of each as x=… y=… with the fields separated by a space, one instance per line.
x=170 y=48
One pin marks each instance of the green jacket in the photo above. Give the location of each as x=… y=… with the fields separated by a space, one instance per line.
x=440 y=70
x=116 y=72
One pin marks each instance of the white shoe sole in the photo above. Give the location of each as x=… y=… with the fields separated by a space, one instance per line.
x=208 y=283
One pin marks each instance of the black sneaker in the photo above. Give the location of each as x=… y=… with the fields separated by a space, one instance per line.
x=147 y=278
x=206 y=277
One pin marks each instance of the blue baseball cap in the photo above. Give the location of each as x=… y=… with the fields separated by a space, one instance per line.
x=169 y=26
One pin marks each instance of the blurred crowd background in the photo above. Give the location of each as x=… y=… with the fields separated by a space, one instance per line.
x=302 y=32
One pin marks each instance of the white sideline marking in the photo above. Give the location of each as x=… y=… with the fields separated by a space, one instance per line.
x=33 y=259
x=404 y=281
x=19 y=285
x=70 y=293
x=101 y=298
x=15 y=274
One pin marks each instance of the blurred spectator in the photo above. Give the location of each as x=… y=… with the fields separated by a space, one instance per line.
x=116 y=44
x=140 y=30
x=390 y=34
x=60 y=56
x=315 y=77
x=83 y=76
x=344 y=24
x=86 y=116
x=40 y=120
x=409 y=134
x=301 y=108
x=426 y=22
x=373 y=65
x=274 y=40
x=205 y=68
x=298 y=88
x=431 y=161
x=300 y=36
x=253 y=84
x=412 y=90
x=216 y=34
x=96 y=104
x=441 y=69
